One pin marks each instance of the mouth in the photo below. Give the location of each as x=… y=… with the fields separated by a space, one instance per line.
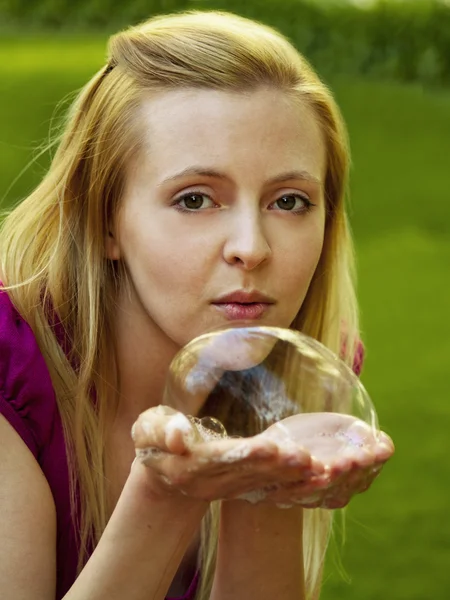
x=242 y=305
x=239 y=311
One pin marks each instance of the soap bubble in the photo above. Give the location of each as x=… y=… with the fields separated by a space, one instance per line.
x=240 y=381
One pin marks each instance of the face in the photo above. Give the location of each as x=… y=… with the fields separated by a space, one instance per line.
x=222 y=220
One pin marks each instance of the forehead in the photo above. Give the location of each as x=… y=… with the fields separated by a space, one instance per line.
x=261 y=129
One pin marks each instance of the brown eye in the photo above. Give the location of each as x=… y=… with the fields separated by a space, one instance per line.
x=293 y=203
x=193 y=201
x=286 y=203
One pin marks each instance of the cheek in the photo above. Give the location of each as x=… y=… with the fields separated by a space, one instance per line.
x=163 y=257
x=313 y=251
x=304 y=252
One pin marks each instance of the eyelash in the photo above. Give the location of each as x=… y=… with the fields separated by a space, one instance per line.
x=308 y=204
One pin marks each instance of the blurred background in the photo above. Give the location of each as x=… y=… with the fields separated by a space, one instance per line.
x=388 y=64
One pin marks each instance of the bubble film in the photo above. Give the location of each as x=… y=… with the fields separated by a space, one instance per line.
x=242 y=381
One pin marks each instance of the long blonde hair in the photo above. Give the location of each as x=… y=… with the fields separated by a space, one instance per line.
x=52 y=243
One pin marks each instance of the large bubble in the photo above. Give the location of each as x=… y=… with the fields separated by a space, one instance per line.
x=243 y=381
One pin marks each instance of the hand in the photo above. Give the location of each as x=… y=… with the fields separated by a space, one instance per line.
x=316 y=459
x=223 y=468
x=351 y=452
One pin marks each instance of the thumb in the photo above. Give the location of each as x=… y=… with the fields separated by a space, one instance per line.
x=164 y=429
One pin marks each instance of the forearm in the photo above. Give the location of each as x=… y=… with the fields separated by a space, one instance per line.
x=260 y=554
x=141 y=547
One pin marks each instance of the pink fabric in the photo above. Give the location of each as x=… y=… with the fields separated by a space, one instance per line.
x=358 y=361
x=28 y=402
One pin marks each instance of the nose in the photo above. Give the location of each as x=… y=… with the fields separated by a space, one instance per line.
x=246 y=244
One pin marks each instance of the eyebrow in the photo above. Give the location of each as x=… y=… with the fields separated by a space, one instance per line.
x=303 y=175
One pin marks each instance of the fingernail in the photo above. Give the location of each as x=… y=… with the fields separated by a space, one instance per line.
x=181 y=423
x=140 y=429
x=147 y=427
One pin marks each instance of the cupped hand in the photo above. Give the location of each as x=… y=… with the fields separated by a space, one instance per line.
x=351 y=452
x=317 y=459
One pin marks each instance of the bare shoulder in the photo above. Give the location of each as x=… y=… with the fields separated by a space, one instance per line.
x=27 y=523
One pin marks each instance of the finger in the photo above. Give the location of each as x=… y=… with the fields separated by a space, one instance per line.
x=294 y=456
x=368 y=478
x=352 y=458
x=208 y=460
x=271 y=476
x=334 y=503
x=333 y=489
x=385 y=447
x=353 y=483
x=298 y=492
x=164 y=429
x=227 y=467
x=236 y=450
x=275 y=484
x=209 y=481
x=340 y=496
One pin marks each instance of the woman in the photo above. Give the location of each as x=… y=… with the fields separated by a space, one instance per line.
x=200 y=179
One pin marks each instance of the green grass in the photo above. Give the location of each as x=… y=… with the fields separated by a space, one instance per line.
x=398 y=534
x=398 y=543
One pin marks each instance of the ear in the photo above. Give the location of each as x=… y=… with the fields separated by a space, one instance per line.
x=112 y=249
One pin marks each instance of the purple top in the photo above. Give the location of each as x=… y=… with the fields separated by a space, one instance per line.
x=28 y=402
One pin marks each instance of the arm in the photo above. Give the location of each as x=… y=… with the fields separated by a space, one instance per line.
x=142 y=545
x=27 y=523
x=260 y=553
x=136 y=558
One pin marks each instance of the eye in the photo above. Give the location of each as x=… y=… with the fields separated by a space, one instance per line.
x=293 y=203
x=194 y=201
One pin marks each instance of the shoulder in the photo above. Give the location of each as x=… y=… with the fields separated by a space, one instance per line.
x=27 y=398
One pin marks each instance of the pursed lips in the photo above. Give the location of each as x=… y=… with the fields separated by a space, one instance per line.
x=243 y=305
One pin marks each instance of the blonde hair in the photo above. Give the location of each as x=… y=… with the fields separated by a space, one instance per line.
x=52 y=244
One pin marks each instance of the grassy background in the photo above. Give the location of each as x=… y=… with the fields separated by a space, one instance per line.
x=398 y=534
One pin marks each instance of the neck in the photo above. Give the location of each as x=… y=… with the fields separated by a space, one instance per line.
x=143 y=354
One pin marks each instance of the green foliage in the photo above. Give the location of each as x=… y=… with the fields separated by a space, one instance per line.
x=407 y=41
